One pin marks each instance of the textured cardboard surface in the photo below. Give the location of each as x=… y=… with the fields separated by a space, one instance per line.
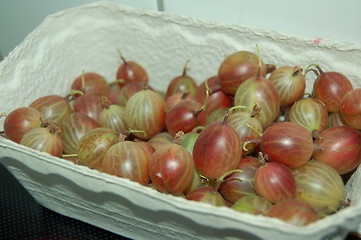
x=86 y=38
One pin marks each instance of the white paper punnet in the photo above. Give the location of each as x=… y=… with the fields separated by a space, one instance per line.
x=86 y=38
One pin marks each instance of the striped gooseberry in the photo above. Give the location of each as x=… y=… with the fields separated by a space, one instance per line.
x=52 y=107
x=340 y=148
x=310 y=113
x=275 y=182
x=330 y=87
x=73 y=128
x=145 y=111
x=320 y=185
x=44 y=139
x=287 y=143
x=289 y=82
x=182 y=83
x=238 y=67
x=129 y=160
x=94 y=144
x=217 y=150
x=21 y=120
x=171 y=168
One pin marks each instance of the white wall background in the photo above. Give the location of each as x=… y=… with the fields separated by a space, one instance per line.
x=19 y=17
x=325 y=19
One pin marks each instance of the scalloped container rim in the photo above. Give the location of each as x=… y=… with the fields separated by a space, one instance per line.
x=86 y=38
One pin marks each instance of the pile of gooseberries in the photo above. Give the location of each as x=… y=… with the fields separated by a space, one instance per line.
x=249 y=137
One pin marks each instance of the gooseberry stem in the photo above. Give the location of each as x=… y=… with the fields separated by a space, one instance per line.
x=73 y=92
x=203 y=108
x=255 y=141
x=317 y=148
x=255 y=111
x=70 y=97
x=270 y=68
x=105 y=102
x=221 y=179
x=262 y=159
x=206 y=101
x=307 y=95
x=178 y=137
x=258 y=74
x=133 y=131
x=319 y=69
x=185 y=94
x=83 y=81
x=297 y=70
x=185 y=68
x=254 y=129
x=116 y=81
x=69 y=155
x=316 y=134
x=198 y=128
x=225 y=119
x=311 y=69
x=121 y=56
x=207 y=86
x=54 y=128
x=236 y=107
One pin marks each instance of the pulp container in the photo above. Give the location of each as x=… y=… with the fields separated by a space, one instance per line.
x=86 y=38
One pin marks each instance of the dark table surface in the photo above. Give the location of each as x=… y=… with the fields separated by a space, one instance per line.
x=23 y=218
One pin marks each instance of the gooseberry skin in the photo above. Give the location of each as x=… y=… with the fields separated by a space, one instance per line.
x=175 y=98
x=320 y=185
x=145 y=111
x=171 y=168
x=288 y=143
x=217 y=150
x=351 y=108
x=182 y=83
x=43 y=140
x=340 y=148
x=113 y=117
x=131 y=71
x=207 y=195
x=217 y=115
x=73 y=128
x=240 y=184
x=128 y=160
x=238 y=67
x=129 y=90
x=52 y=107
x=248 y=127
x=19 y=121
x=294 y=211
x=335 y=119
x=94 y=83
x=90 y=105
x=93 y=145
x=217 y=97
x=275 y=182
x=185 y=116
x=310 y=113
x=160 y=139
x=289 y=82
x=114 y=91
x=188 y=141
x=149 y=149
x=330 y=87
x=261 y=92
x=252 y=204
x=197 y=182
